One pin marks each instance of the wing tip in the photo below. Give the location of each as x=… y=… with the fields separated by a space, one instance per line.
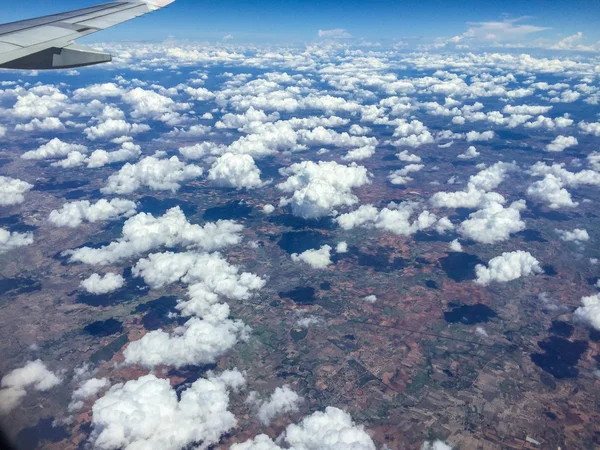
x=157 y=4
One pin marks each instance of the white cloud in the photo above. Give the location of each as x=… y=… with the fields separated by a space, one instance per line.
x=13 y=190
x=127 y=415
x=341 y=247
x=526 y=109
x=47 y=124
x=237 y=171
x=100 y=158
x=455 y=246
x=370 y=298
x=54 y=149
x=493 y=223
x=336 y=33
x=268 y=208
x=144 y=232
x=589 y=311
x=11 y=240
x=96 y=284
x=550 y=190
x=470 y=153
x=436 y=445
x=507 y=267
x=34 y=374
x=111 y=128
x=283 y=400
x=473 y=136
x=86 y=389
x=157 y=174
x=359 y=153
x=405 y=156
x=320 y=187
x=577 y=235
x=560 y=143
x=73 y=214
x=400 y=176
x=317 y=259
x=493 y=32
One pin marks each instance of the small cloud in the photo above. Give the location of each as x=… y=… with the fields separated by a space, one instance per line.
x=228 y=37
x=336 y=33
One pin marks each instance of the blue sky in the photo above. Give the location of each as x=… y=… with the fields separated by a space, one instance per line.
x=293 y=20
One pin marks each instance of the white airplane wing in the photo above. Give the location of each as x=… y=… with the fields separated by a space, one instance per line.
x=48 y=42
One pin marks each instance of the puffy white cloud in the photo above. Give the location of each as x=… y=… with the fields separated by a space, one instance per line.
x=11 y=240
x=395 y=218
x=443 y=225
x=47 y=124
x=204 y=338
x=526 y=109
x=73 y=159
x=13 y=190
x=157 y=174
x=341 y=247
x=455 y=246
x=370 y=298
x=146 y=413
x=74 y=213
x=405 y=156
x=320 y=187
x=577 y=235
x=507 y=267
x=34 y=374
x=86 y=389
x=550 y=190
x=560 y=143
x=96 y=284
x=400 y=176
x=332 y=429
x=317 y=259
x=589 y=311
x=470 y=153
x=573 y=179
x=472 y=136
x=470 y=198
x=144 y=232
x=359 y=153
x=237 y=171
x=491 y=177
x=493 y=223
x=239 y=121
x=282 y=400
x=54 y=149
x=111 y=128
x=100 y=158
x=268 y=208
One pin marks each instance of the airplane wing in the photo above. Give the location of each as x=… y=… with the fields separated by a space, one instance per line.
x=48 y=42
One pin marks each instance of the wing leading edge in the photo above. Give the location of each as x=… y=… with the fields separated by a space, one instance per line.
x=48 y=42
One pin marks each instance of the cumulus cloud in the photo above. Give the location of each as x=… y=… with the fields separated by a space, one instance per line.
x=86 y=389
x=237 y=171
x=473 y=136
x=126 y=416
x=54 y=149
x=576 y=235
x=45 y=125
x=268 y=208
x=14 y=385
x=144 y=232
x=101 y=158
x=550 y=191
x=13 y=190
x=359 y=153
x=208 y=335
x=341 y=247
x=436 y=445
x=75 y=213
x=317 y=259
x=507 y=267
x=97 y=284
x=111 y=128
x=560 y=143
x=157 y=174
x=493 y=223
x=283 y=400
x=405 y=156
x=400 y=176
x=395 y=218
x=589 y=311
x=320 y=187
x=11 y=240
x=470 y=153
x=455 y=246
